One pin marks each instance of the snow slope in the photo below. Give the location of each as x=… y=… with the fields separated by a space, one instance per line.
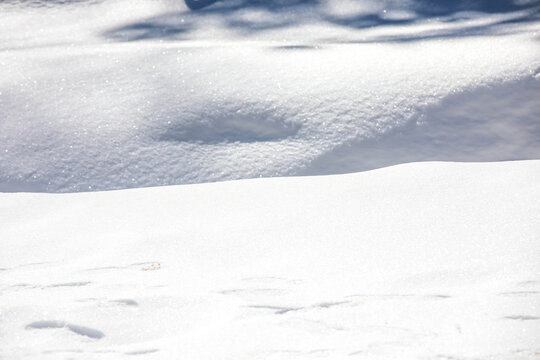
x=416 y=261
x=100 y=95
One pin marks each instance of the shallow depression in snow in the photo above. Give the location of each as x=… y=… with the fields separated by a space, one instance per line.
x=215 y=124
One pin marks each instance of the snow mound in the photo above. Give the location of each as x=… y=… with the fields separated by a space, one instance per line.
x=105 y=95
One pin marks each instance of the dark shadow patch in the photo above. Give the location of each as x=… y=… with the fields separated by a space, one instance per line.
x=126 y=302
x=151 y=29
x=77 y=329
x=279 y=310
x=327 y=305
x=438 y=297
x=281 y=14
x=296 y=47
x=231 y=127
x=142 y=352
x=199 y=4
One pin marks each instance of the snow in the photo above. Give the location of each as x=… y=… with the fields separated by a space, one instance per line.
x=215 y=239
x=125 y=94
x=424 y=260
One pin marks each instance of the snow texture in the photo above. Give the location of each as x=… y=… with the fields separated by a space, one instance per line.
x=101 y=95
x=416 y=261
x=424 y=260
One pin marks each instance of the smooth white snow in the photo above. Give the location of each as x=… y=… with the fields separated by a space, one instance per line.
x=417 y=261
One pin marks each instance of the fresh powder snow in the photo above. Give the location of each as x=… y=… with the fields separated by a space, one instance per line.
x=102 y=95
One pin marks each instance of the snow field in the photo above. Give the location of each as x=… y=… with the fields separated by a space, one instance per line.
x=426 y=260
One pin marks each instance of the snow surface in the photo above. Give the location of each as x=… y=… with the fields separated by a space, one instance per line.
x=416 y=261
x=426 y=260
x=101 y=95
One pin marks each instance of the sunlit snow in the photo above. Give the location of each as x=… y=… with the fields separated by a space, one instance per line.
x=417 y=261
x=117 y=94
x=431 y=254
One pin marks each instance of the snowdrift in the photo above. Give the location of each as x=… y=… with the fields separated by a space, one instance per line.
x=101 y=95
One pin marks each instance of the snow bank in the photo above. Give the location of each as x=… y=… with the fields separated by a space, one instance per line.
x=425 y=260
x=120 y=94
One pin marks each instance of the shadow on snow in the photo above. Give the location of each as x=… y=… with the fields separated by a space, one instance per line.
x=247 y=17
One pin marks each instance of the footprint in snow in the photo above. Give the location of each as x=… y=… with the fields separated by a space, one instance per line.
x=77 y=329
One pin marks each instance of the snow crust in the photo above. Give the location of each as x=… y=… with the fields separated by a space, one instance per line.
x=416 y=261
x=101 y=95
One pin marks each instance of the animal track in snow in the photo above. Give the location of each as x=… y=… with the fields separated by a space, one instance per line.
x=77 y=329
x=285 y=309
x=125 y=302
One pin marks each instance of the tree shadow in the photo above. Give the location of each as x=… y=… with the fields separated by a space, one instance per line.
x=449 y=7
x=155 y=28
x=252 y=17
